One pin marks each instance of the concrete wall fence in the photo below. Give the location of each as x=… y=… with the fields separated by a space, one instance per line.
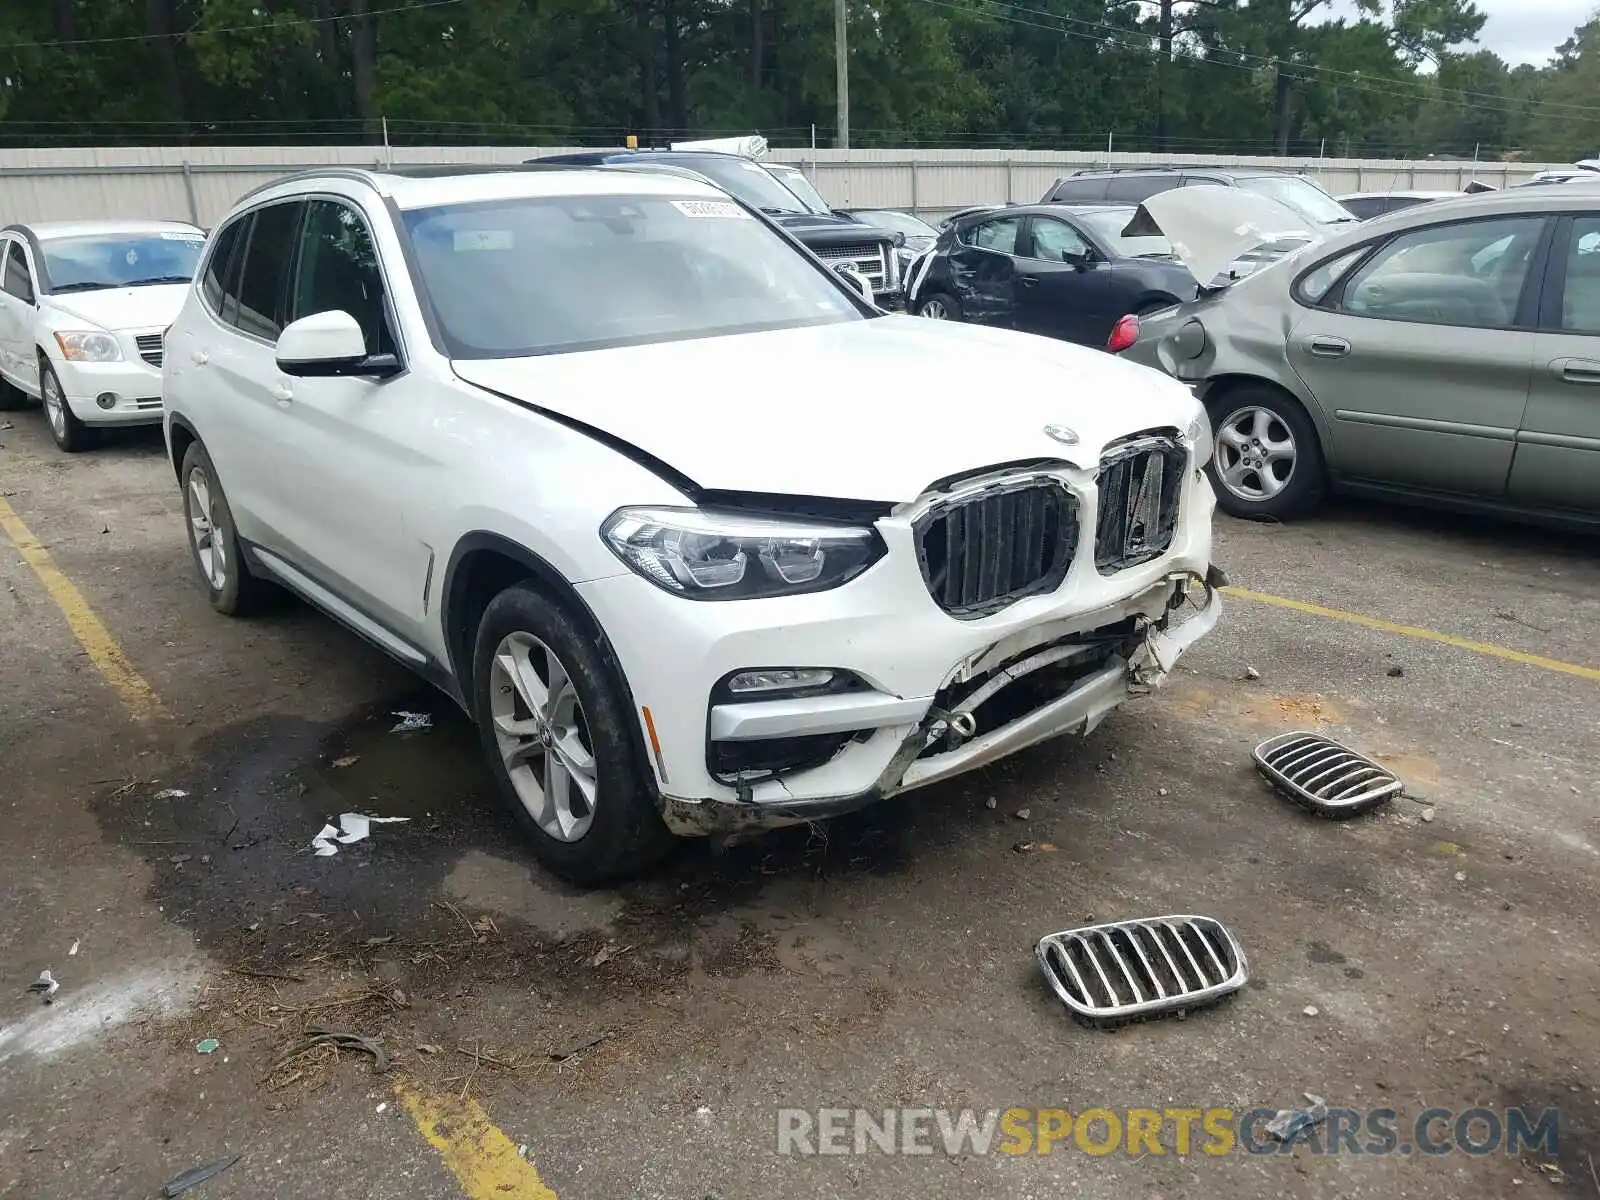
x=200 y=183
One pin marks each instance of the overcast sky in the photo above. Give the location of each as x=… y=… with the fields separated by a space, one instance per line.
x=1528 y=31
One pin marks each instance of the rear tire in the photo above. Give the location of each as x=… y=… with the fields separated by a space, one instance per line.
x=1268 y=462
x=214 y=542
x=555 y=728
x=939 y=306
x=71 y=434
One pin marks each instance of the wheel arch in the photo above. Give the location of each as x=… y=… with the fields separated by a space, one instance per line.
x=180 y=436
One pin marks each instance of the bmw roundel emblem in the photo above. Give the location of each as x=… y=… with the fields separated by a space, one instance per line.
x=1064 y=434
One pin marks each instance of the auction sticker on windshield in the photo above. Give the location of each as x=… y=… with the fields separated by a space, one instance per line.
x=709 y=208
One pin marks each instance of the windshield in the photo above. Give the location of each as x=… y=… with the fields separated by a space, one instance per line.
x=511 y=278
x=896 y=222
x=795 y=180
x=1108 y=226
x=754 y=185
x=1305 y=197
x=112 y=260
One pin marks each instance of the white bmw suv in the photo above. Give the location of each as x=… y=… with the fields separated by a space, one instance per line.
x=83 y=305
x=553 y=437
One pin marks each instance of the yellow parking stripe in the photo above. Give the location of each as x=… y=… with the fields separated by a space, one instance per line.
x=1413 y=631
x=90 y=631
x=484 y=1160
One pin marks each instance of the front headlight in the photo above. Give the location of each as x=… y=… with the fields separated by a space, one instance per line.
x=707 y=555
x=89 y=347
x=1198 y=436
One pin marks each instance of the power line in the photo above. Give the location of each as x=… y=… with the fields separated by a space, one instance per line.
x=289 y=23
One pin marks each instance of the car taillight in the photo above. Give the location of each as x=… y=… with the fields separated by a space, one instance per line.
x=1123 y=334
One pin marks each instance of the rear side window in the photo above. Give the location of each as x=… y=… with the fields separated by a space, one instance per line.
x=1000 y=235
x=264 y=285
x=219 y=270
x=1135 y=189
x=1079 y=191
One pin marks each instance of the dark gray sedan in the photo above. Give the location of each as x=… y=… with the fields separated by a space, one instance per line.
x=1449 y=353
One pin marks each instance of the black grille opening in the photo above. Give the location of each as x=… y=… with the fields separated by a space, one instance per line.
x=150 y=348
x=1139 y=483
x=983 y=552
x=768 y=757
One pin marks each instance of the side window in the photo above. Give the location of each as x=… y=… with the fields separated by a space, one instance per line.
x=219 y=270
x=1080 y=191
x=1580 y=298
x=1056 y=241
x=998 y=235
x=264 y=285
x=1366 y=207
x=18 y=282
x=1468 y=274
x=1316 y=283
x=339 y=272
x=1135 y=189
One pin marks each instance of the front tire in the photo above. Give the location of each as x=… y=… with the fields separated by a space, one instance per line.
x=71 y=434
x=214 y=542
x=555 y=728
x=1268 y=462
x=940 y=306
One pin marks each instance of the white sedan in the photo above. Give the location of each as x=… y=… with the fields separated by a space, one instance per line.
x=83 y=308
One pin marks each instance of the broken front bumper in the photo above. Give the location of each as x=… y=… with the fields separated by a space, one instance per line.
x=1085 y=666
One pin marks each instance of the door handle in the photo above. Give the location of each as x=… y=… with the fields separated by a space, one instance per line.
x=199 y=358
x=282 y=393
x=1576 y=370
x=1327 y=347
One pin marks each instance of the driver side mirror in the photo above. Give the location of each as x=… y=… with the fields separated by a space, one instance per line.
x=856 y=280
x=1081 y=260
x=329 y=344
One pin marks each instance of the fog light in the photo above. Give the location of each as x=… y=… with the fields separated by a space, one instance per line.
x=779 y=679
x=106 y=399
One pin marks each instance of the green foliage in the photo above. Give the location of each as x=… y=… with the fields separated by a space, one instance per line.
x=1400 y=77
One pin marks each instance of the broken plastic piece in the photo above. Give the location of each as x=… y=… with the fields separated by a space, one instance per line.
x=198 y=1175
x=207 y=1046
x=170 y=794
x=46 y=986
x=356 y=827
x=1291 y=1121
x=411 y=722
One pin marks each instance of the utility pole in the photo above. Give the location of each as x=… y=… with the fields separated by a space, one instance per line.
x=841 y=68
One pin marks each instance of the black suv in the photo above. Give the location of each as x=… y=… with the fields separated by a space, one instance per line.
x=1134 y=185
x=835 y=240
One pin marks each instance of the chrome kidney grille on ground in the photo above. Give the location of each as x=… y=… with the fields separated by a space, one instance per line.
x=1140 y=481
x=1318 y=773
x=981 y=552
x=1125 y=970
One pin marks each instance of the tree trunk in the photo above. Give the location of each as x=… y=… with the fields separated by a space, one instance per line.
x=327 y=34
x=757 y=41
x=364 y=66
x=159 y=22
x=649 y=93
x=677 y=81
x=61 y=20
x=1284 y=103
x=1163 y=67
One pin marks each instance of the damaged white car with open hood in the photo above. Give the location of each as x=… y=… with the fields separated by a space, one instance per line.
x=552 y=438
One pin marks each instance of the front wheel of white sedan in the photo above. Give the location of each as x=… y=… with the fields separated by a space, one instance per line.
x=554 y=728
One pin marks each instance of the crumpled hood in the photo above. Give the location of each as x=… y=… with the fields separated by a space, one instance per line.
x=153 y=305
x=1210 y=226
x=863 y=410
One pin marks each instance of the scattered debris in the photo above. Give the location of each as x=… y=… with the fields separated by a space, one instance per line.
x=1023 y=847
x=207 y=1046
x=522 y=1150
x=991 y=804
x=4 y=425
x=1461 y=876
x=425 y=1048
x=45 y=987
x=348 y=760
x=412 y=722
x=1022 y=814
x=1042 y=847
x=1161 y=791
x=170 y=794
x=178 y=860
x=1324 y=776
x=356 y=827
x=319 y=1035
x=607 y=954
x=1121 y=971
x=199 y=1175
x=1252 y=674
x=1310 y=1010
x=72 y=952
x=258 y=973
x=579 y=1046
x=382 y=1107
x=1291 y=1121
x=1396 y=671
x=1553 y=1173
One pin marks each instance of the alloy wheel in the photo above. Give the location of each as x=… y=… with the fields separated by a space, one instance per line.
x=934 y=310
x=210 y=544
x=55 y=404
x=543 y=736
x=1255 y=453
